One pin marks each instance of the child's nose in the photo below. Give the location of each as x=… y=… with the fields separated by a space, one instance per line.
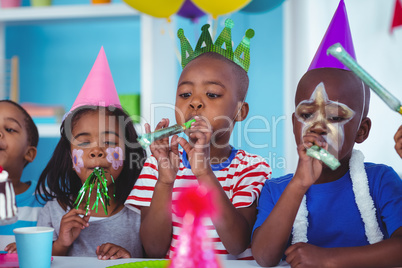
x=319 y=128
x=196 y=104
x=96 y=153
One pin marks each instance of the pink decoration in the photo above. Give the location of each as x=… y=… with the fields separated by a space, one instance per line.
x=338 y=32
x=10 y=3
x=194 y=249
x=99 y=88
x=397 y=18
x=115 y=156
x=78 y=163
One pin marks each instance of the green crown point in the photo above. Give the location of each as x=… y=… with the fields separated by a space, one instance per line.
x=250 y=33
x=205 y=27
x=180 y=33
x=223 y=45
x=229 y=23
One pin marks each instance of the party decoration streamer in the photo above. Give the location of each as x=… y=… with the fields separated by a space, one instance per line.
x=96 y=179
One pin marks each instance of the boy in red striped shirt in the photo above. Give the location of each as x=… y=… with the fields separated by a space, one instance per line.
x=211 y=90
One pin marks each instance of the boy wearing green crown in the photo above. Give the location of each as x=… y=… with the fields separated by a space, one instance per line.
x=211 y=90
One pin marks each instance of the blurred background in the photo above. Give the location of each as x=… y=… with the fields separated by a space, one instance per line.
x=56 y=45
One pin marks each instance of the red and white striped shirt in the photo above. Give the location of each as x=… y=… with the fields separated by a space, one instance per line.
x=242 y=177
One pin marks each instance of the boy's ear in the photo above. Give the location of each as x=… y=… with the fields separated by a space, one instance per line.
x=363 y=131
x=30 y=154
x=242 y=112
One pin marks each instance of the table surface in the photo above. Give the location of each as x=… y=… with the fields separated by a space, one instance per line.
x=89 y=262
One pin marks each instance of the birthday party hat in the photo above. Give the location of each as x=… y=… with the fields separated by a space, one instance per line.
x=99 y=88
x=338 y=32
x=222 y=45
x=194 y=248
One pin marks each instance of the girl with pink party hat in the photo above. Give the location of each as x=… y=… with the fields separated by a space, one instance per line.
x=320 y=217
x=96 y=134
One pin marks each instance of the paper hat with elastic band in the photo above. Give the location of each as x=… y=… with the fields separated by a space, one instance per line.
x=338 y=32
x=99 y=88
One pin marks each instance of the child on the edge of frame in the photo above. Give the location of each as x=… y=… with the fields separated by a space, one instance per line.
x=211 y=90
x=398 y=141
x=95 y=133
x=18 y=141
x=318 y=217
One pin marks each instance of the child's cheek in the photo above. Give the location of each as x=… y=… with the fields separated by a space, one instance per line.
x=78 y=162
x=115 y=157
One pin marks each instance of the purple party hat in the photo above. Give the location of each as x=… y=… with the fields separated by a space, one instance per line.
x=338 y=32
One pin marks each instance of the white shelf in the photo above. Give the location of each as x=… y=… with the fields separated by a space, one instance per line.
x=25 y=15
x=157 y=50
x=49 y=130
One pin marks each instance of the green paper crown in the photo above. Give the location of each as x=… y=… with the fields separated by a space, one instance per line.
x=222 y=46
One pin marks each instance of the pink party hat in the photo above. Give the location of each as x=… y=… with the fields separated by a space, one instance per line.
x=338 y=32
x=99 y=88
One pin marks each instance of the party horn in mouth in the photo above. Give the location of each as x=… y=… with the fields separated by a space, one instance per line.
x=146 y=139
x=324 y=156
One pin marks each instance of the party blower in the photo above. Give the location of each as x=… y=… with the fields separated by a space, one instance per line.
x=343 y=56
x=146 y=139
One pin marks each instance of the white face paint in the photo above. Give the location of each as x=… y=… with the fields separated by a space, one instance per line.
x=319 y=114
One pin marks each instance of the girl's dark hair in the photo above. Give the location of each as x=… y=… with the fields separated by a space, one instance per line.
x=32 y=130
x=59 y=180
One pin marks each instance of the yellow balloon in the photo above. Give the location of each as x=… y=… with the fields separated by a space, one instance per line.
x=220 y=7
x=156 y=8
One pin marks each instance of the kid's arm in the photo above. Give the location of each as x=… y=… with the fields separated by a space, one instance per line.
x=386 y=253
x=70 y=228
x=156 y=220
x=398 y=141
x=270 y=239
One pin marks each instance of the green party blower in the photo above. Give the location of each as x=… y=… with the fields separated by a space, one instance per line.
x=323 y=155
x=96 y=178
x=343 y=56
x=146 y=139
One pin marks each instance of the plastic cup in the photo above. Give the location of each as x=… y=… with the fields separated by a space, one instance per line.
x=34 y=246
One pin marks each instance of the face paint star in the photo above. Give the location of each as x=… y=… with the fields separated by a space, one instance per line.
x=324 y=117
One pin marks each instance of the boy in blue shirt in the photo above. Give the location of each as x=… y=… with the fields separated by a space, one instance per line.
x=18 y=141
x=318 y=217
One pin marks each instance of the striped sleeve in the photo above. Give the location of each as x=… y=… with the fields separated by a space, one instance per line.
x=141 y=194
x=249 y=178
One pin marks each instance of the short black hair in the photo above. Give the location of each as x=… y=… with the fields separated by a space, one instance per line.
x=30 y=127
x=59 y=180
x=239 y=72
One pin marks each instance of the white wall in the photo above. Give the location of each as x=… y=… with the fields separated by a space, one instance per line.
x=377 y=51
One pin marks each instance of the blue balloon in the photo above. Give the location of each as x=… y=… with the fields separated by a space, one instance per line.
x=261 y=6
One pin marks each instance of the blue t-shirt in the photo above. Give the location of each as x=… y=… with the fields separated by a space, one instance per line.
x=28 y=211
x=334 y=219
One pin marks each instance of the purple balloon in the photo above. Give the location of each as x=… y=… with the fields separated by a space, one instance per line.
x=190 y=11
